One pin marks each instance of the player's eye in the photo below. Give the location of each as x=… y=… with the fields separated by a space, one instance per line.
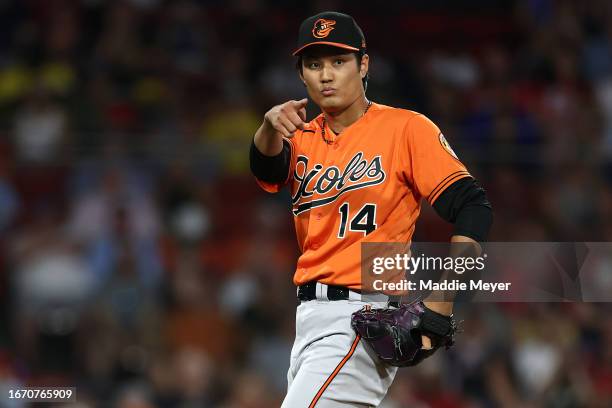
x=313 y=65
x=339 y=62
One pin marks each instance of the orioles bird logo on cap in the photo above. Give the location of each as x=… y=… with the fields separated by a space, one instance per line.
x=322 y=28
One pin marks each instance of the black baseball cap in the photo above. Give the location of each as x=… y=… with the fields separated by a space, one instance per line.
x=330 y=28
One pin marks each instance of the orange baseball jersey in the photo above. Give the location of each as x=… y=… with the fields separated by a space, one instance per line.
x=364 y=186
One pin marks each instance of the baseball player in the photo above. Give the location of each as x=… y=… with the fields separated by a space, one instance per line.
x=357 y=173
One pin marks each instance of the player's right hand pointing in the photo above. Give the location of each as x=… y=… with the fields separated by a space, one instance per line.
x=288 y=117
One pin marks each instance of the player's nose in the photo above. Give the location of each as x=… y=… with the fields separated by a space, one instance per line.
x=326 y=74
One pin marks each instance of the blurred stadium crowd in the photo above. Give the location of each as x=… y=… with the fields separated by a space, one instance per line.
x=140 y=263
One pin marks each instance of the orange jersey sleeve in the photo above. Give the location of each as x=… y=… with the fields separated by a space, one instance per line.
x=431 y=164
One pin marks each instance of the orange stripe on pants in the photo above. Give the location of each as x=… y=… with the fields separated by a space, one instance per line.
x=335 y=372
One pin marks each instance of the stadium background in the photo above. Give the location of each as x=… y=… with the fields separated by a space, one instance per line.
x=140 y=263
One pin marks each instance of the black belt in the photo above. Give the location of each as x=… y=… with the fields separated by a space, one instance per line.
x=308 y=291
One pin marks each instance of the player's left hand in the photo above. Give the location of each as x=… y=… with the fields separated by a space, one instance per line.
x=390 y=332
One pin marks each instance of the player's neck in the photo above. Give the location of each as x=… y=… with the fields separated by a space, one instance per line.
x=339 y=120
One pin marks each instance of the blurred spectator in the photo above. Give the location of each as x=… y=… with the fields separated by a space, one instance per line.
x=115 y=217
x=40 y=131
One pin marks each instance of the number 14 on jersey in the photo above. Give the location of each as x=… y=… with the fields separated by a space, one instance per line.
x=363 y=221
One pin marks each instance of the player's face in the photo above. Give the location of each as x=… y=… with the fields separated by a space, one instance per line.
x=332 y=77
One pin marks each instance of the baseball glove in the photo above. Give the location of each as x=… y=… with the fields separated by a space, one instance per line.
x=395 y=334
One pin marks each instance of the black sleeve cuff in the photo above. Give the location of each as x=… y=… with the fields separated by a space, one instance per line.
x=475 y=222
x=465 y=204
x=271 y=169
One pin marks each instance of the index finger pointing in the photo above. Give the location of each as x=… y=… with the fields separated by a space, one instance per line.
x=301 y=103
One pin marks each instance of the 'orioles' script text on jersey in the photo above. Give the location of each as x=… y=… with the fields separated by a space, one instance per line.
x=358 y=173
x=365 y=186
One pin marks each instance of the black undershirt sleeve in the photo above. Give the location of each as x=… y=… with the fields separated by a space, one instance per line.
x=465 y=204
x=271 y=169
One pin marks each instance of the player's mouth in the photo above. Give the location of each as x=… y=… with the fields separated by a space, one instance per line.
x=328 y=91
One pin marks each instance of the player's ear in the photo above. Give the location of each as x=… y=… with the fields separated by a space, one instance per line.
x=364 y=66
x=302 y=78
x=298 y=66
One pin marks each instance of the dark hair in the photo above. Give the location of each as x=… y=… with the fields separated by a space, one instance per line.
x=359 y=56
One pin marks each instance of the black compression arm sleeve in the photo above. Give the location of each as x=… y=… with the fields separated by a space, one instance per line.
x=465 y=204
x=271 y=169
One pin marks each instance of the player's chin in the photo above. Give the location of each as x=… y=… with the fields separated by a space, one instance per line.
x=331 y=103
